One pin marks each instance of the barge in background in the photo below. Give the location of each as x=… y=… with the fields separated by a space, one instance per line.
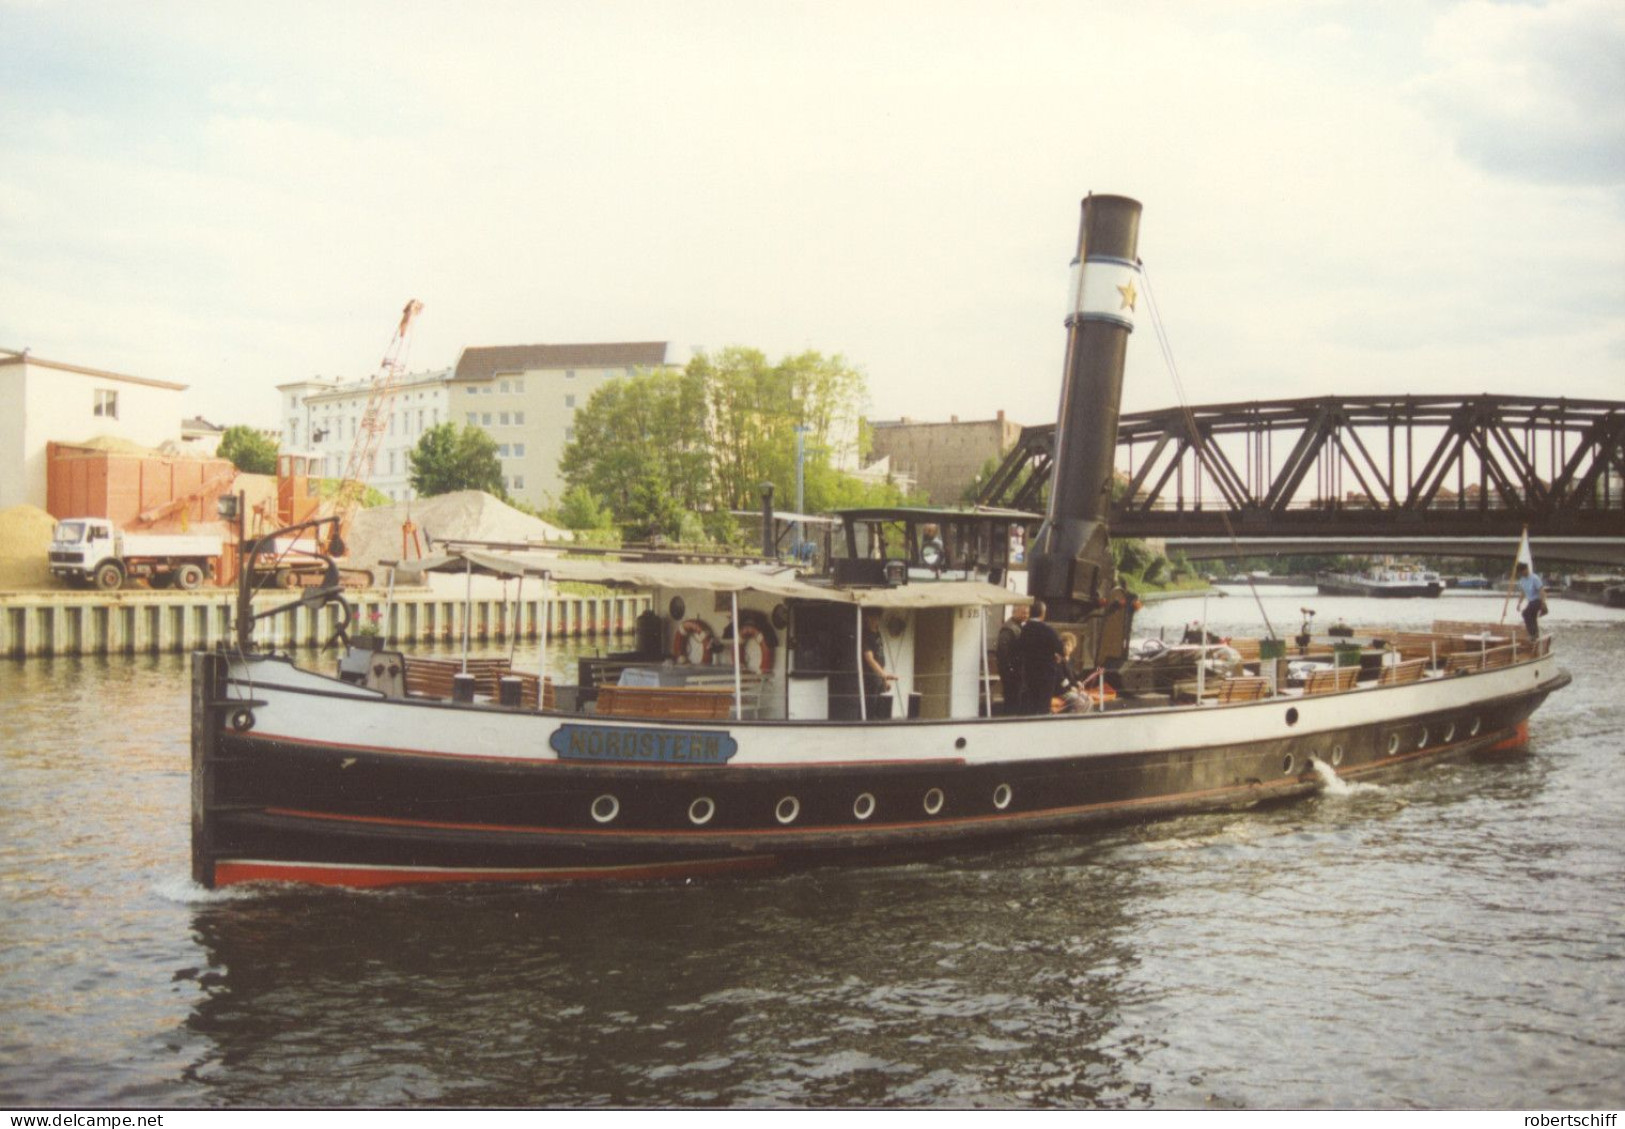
x=740 y=734
x=1383 y=582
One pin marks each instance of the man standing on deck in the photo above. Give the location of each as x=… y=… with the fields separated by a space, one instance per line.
x=1531 y=598
x=1006 y=655
x=1041 y=657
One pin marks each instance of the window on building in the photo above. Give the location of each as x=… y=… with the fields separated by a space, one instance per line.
x=502 y=450
x=570 y=401
x=504 y=388
x=107 y=403
x=485 y=419
x=569 y=374
x=518 y=482
x=486 y=389
x=569 y=434
x=503 y=418
x=420 y=419
x=473 y=391
x=519 y=419
x=473 y=418
x=519 y=387
x=518 y=450
x=392 y=462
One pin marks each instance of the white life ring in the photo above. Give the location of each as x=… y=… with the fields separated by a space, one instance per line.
x=692 y=643
x=755 y=652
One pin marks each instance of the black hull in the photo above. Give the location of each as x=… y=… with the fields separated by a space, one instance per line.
x=340 y=815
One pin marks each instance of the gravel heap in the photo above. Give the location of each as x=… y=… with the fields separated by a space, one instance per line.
x=375 y=534
x=25 y=539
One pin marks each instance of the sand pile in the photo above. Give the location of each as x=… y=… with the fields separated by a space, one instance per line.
x=375 y=534
x=25 y=539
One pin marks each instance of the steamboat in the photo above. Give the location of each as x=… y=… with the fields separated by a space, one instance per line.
x=741 y=732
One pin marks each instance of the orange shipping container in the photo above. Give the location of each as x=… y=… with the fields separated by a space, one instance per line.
x=149 y=492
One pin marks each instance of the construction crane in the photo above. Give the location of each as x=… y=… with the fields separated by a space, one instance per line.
x=374 y=422
x=298 y=562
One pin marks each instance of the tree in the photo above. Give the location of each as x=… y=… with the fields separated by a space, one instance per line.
x=640 y=447
x=250 y=451
x=451 y=457
x=670 y=453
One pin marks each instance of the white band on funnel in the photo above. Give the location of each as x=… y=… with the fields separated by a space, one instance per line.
x=1105 y=290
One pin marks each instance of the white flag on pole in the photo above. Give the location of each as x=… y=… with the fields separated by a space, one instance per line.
x=1525 y=557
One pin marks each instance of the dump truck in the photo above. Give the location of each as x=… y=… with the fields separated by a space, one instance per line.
x=89 y=552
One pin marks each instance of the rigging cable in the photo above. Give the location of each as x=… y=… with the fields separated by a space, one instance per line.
x=1190 y=425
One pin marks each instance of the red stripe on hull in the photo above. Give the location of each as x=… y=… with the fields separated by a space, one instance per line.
x=361 y=876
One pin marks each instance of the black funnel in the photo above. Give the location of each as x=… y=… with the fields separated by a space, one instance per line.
x=1070 y=561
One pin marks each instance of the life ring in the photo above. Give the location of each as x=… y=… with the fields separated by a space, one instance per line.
x=762 y=662
x=692 y=643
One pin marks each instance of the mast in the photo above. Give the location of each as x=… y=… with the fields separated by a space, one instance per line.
x=1070 y=561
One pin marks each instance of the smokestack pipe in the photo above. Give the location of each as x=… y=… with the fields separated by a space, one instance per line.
x=770 y=543
x=1070 y=562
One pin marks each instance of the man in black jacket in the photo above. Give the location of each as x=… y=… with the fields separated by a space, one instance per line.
x=1041 y=654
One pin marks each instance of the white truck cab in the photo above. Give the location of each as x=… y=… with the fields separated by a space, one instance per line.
x=89 y=551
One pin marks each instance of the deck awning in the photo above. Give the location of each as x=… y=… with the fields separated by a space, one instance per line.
x=779 y=582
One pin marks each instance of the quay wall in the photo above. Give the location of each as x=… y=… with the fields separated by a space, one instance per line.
x=48 y=624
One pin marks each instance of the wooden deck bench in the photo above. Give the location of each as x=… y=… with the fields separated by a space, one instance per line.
x=429 y=676
x=1400 y=673
x=1464 y=661
x=1333 y=681
x=690 y=703
x=1245 y=689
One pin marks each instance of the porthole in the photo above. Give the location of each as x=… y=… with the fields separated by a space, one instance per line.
x=864 y=806
x=787 y=810
x=959 y=743
x=1422 y=741
x=1393 y=743
x=605 y=808
x=1292 y=716
x=1473 y=732
x=1001 y=796
x=1337 y=755
x=701 y=811
x=933 y=801
x=242 y=720
x=1288 y=763
x=1449 y=733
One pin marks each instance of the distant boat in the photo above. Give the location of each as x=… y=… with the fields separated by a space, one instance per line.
x=1382 y=582
x=1474 y=582
x=1596 y=590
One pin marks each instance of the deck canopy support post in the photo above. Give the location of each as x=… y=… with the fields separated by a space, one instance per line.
x=739 y=695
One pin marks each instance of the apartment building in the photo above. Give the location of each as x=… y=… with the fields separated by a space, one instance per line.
x=526 y=397
x=322 y=417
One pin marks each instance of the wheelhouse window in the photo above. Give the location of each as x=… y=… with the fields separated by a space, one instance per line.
x=106 y=403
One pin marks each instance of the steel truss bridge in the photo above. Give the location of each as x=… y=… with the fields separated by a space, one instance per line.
x=1436 y=475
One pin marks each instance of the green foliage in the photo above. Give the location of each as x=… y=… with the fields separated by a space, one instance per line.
x=370 y=497
x=250 y=451
x=671 y=453
x=451 y=457
x=580 y=511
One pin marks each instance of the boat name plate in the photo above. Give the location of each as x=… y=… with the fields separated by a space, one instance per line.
x=659 y=746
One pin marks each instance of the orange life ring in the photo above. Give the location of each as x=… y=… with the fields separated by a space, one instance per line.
x=692 y=634
x=747 y=633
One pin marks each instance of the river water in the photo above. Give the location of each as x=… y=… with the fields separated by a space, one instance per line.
x=1455 y=938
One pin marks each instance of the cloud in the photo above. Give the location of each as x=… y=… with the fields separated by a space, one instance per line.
x=1534 y=92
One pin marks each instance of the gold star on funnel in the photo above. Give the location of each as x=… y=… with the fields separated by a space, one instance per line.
x=1129 y=295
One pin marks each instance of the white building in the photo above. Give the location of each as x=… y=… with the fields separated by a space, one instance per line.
x=47 y=401
x=322 y=417
x=526 y=397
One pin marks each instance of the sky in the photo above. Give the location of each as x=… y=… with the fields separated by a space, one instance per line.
x=1368 y=197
